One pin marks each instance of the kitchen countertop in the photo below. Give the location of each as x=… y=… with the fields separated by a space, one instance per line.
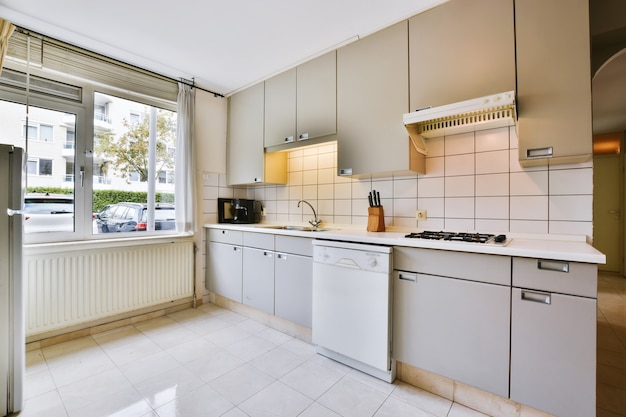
x=558 y=247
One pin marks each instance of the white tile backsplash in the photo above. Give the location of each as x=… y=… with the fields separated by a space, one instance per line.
x=529 y=183
x=491 y=185
x=571 y=207
x=459 y=207
x=459 y=165
x=492 y=162
x=462 y=186
x=492 y=140
x=430 y=187
x=529 y=207
x=405 y=188
x=472 y=182
x=571 y=181
x=492 y=208
x=462 y=143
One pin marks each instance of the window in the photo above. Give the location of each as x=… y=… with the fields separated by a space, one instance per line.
x=88 y=138
x=134 y=165
x=39 y=166
x=39 y=132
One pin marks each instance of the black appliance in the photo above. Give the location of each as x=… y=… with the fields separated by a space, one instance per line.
x=238 y=210
x=459 y=237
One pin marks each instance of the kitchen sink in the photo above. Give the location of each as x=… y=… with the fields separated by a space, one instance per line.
x=298 y=228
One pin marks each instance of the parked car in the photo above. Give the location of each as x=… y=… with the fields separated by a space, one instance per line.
x=133 y=217
x=48 y=213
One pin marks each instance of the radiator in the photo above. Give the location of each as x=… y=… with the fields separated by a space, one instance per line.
x=68 y=288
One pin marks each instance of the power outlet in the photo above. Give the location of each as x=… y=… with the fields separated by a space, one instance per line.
x=421 y=215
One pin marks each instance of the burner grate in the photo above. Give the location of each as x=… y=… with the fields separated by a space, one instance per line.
x=458 y=237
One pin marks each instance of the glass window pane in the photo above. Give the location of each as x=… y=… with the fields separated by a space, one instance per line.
x=45 y=167
x=49 y=196
x=121 y=159
x=45 y=133
x=31 y=167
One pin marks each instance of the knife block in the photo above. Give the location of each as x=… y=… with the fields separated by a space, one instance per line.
x=375 y=219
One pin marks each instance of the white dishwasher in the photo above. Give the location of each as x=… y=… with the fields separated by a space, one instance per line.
x=352 y=305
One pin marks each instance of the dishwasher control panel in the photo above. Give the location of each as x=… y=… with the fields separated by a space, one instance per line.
x=355 y=256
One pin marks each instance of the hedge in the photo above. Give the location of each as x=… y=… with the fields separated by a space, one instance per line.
x=102 y=198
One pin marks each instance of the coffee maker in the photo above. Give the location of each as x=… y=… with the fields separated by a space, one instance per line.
x=238 y=210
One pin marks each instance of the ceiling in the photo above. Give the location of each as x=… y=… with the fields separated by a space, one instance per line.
x=223 y=45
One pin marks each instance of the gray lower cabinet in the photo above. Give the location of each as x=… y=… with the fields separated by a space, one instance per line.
x=224 y=268
x=272 y=273
x=553 y=336
x=293 y=276
x=258 y=279
x=294 y=286
x=451 y=323
x=454 y=328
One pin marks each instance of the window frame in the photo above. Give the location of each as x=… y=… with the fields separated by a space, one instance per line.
x=83 y=196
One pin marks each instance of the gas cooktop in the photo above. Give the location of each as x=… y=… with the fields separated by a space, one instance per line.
x=460 y=237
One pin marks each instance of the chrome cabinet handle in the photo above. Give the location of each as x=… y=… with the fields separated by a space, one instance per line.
x=537 y=297
x=303 y=136
x=345 y=171
x=407 y=276
x=281 y=256
x=546 y=152
x=267 y=254
x=553 y=266
x=288 y=139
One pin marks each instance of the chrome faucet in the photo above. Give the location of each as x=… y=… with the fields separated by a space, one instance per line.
x=316 y=221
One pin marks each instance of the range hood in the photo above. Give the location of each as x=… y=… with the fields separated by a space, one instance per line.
x=496 y=110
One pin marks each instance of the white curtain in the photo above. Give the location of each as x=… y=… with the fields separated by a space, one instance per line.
x=6 y=29
x=185 y=159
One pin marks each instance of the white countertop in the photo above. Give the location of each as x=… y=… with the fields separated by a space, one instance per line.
x=557 y=247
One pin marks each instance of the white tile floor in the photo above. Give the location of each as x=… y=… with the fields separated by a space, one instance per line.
x=210 y=362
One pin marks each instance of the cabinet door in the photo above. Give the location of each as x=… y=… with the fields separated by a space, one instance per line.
x=258 y=279
x=294 y=288
x=553 y=362
x=455 y=328
x=280 y=109
x=458 y=52
x=553 y=81
x=245 y=136
x=224 y=270
x=317 y=97
x=372 y=96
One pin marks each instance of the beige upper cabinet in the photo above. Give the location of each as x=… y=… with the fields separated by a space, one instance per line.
x=247 y=163
x=553 y=81
x=301 y=103
x=460 y=50
x=372 y=96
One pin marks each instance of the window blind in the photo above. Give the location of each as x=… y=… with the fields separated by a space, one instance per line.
x=58 y=56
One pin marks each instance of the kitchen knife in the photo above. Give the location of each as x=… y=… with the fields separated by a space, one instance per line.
x=369 y=198
x=374 y=198
x=378 y=199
